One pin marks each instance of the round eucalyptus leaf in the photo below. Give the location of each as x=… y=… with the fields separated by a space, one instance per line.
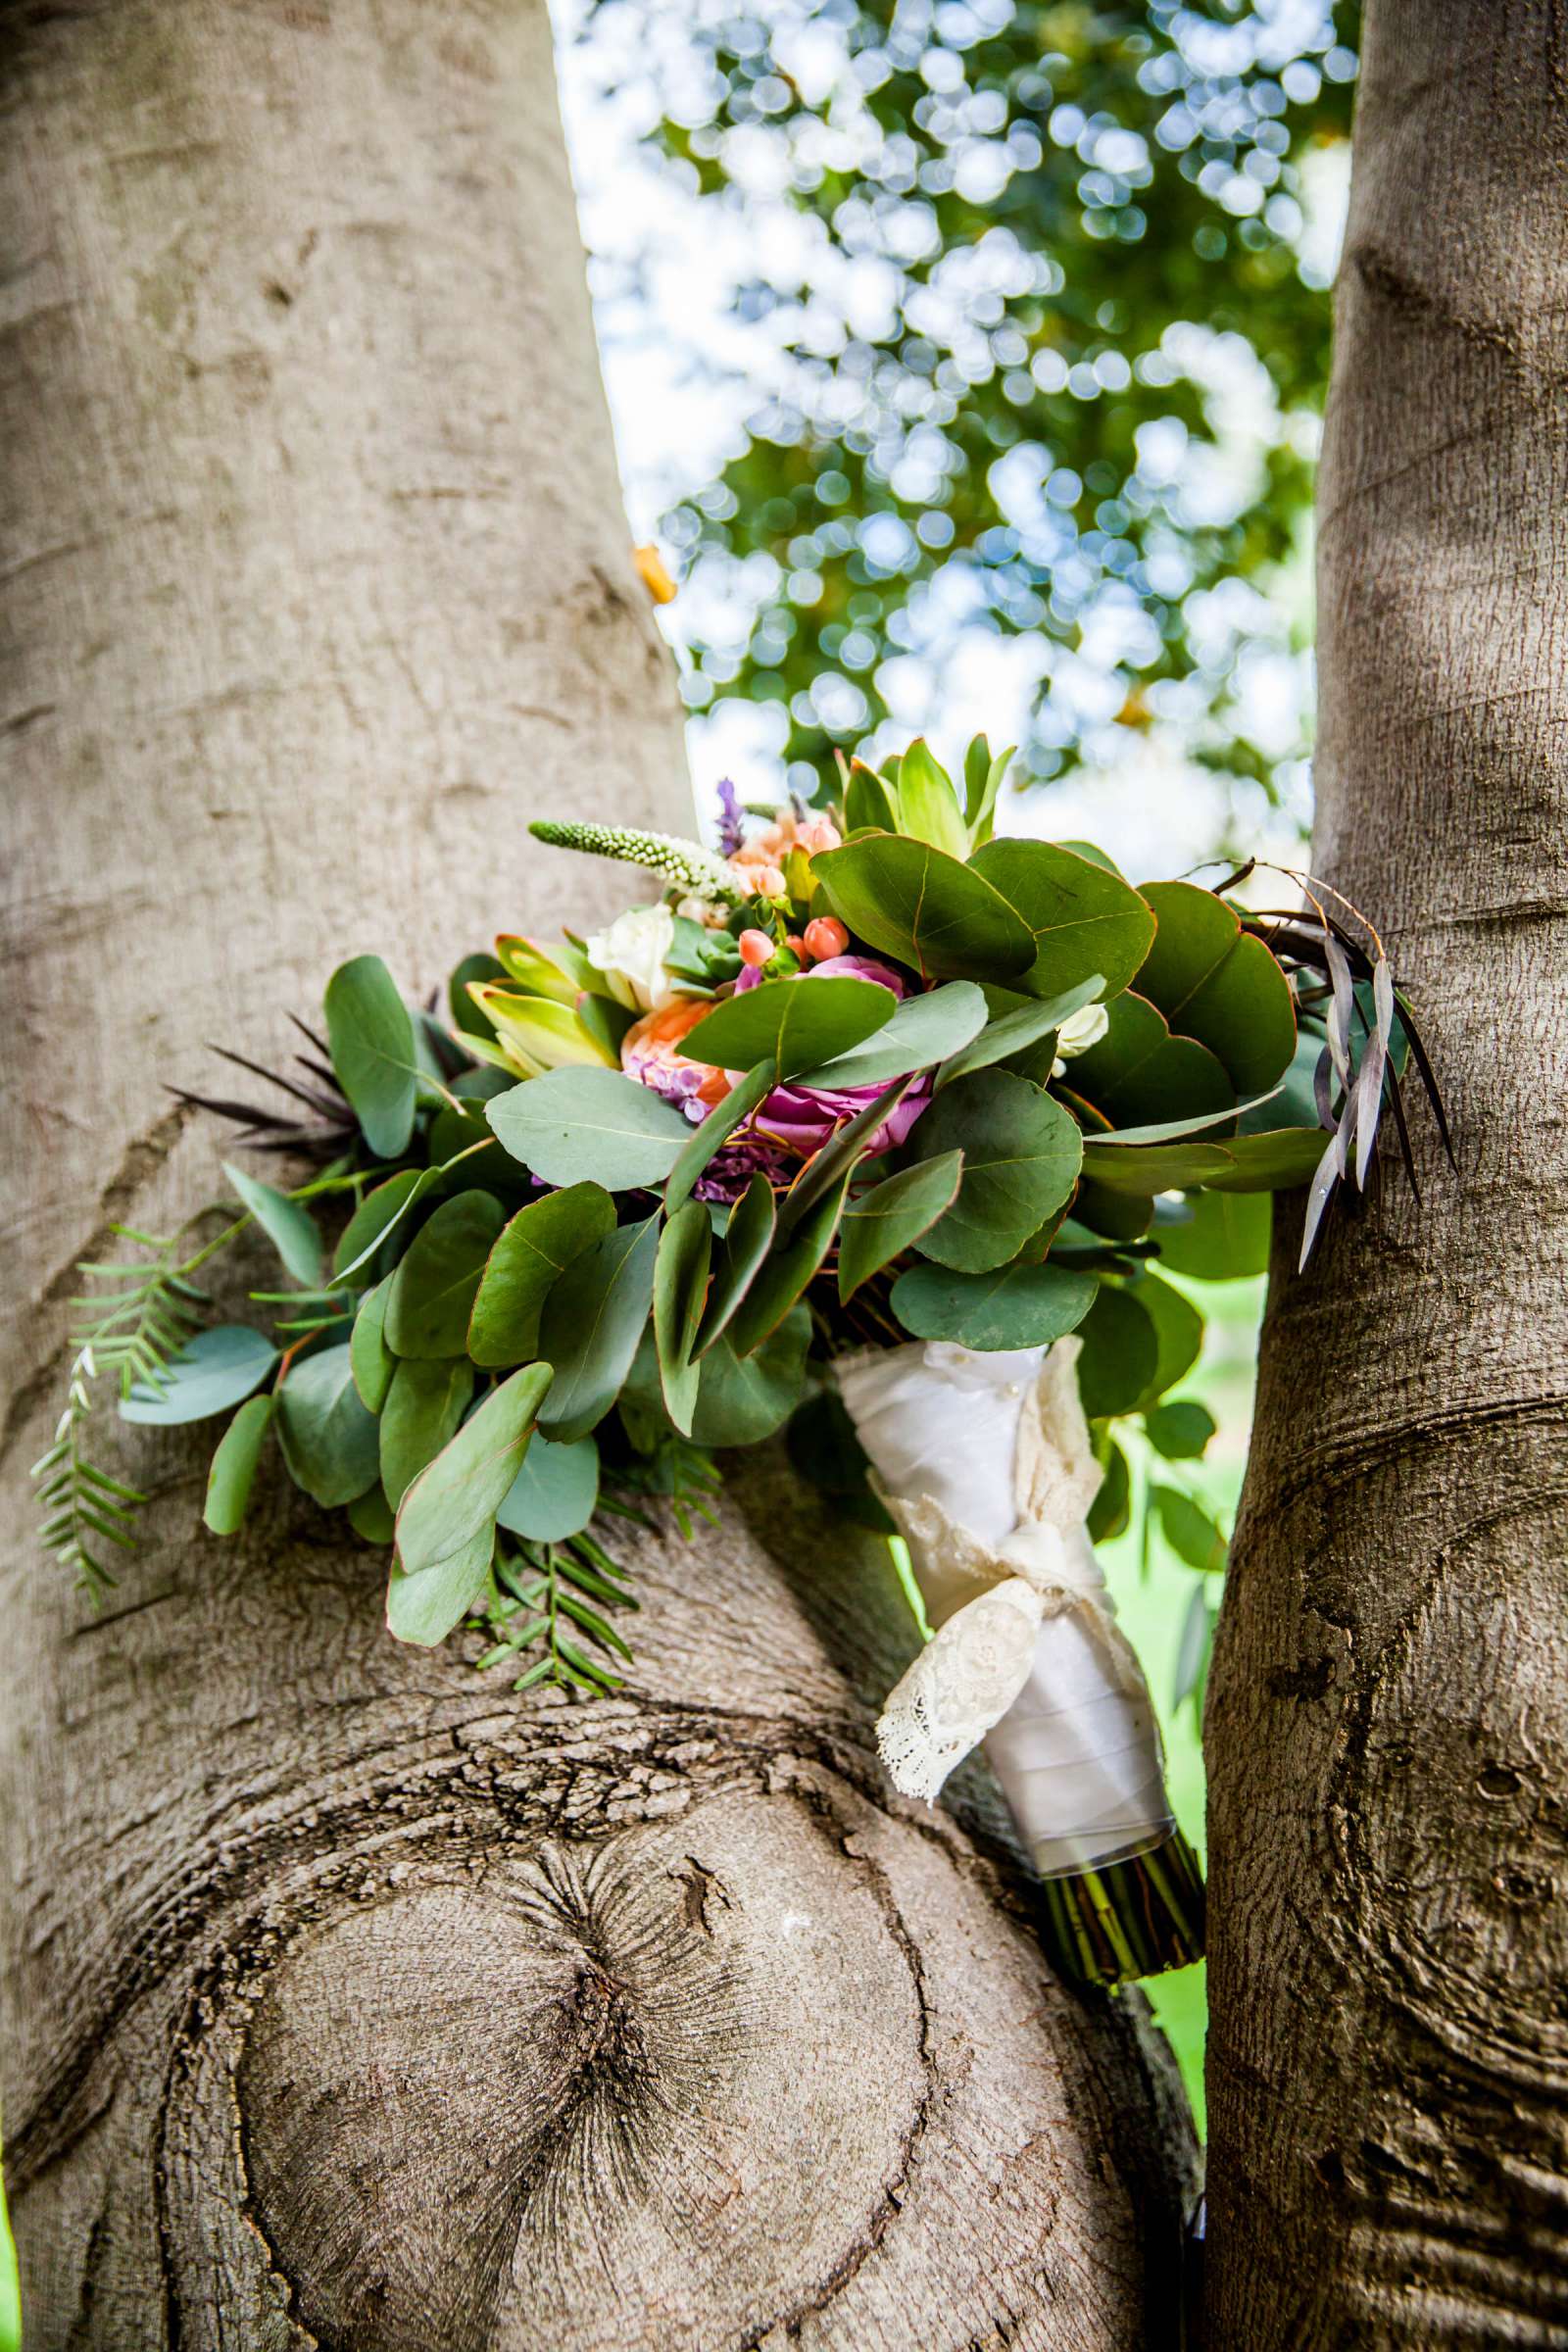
x=792 y=1023
x=1120 y=1355
x=923 y=1031
x=1012 y=1306
x=522 y=1269
x=331 y=1441
x=214 y=1371
x=576 y=1126
x=743 y=1399
x=437 y=1280
x=1218 y=983
x=446 y=1524
x=370 y=1032
x=554 y=1493
x=909 y=901
x=423 y=1411
x=1083 y=918
x=232 y=1474
x=287 y=1224
x=1021 y=1157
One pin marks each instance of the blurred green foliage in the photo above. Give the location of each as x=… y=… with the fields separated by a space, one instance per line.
x=1052 y=366
x=1153 y=1587
x=10 y=2292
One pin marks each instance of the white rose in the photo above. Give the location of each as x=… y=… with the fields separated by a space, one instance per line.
x=1078 y=1032
x=630 y=953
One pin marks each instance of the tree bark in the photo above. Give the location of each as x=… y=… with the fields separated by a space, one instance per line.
x=351 y=2000
x=1387 y=1726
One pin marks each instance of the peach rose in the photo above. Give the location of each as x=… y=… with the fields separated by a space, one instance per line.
x=651 y=1052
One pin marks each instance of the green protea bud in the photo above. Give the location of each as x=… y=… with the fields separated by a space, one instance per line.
x=686 y=863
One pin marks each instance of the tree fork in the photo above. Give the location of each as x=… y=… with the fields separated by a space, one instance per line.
x=349 y=1999
x=1389 y=2052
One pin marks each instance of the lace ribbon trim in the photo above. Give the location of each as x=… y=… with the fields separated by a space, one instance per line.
x=988 y=1605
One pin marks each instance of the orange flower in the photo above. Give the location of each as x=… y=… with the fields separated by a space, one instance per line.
x=650 y=1052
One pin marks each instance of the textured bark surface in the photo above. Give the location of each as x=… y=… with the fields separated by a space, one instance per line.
x=1388 y=1709
x=349 y=2000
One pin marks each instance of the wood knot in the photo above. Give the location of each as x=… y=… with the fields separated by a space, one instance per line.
x=499 y=2111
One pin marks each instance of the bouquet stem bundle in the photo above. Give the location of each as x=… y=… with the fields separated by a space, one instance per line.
x=1130 y=1919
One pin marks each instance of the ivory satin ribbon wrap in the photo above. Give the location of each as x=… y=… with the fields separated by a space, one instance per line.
x=984 y=1462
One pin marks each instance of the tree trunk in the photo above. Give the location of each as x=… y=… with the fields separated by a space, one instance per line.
x=1388 y=1728
x=351 y=2000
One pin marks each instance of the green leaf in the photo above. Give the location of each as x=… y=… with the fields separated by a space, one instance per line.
x=1111 y=1509
x=370 y=1359
x=1181 y=1431
x=748 y=1237
x=867 y=801
x=447 y=1522
x=982 y=781
x=849 y=1143
x=924 y=1030
x=371 y=1518
x=1146 y=1169
x=1026 y=1025
x=743 y=1401
x=680 y=1287
x=1193 y=1649
x=1189 y=1531
x=1021 y=1155
x=1274 y=1162
x=1244 y=1163
x=928 y=805
x=1218 y=983
x=1139 y=1072
x=1225 y=1239
x=887 y=1220
x=376 y=1215
x=1119 y=1216
x=1121 y=1353
x=1082 y=919
x=331 y=1441
x=554 y=1493
x=591 y=1322
x=287 y=1224
x=522 y=1269
x=794 y=1024
x=976 y=776
x=212 y=1372
x=232 y=1475
x=720 y=1123
x=558 y=972
x=1011 y=1306
x=908 y=900
x=1178 y=1329
x=465 y=1012
x=437 y=1281
x=371 y=1031
x=786 y=1270
x=579 y=1126
x=423 y=1413
x=541 y=1034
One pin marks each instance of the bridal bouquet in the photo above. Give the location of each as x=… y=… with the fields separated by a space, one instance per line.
x=869 y=1123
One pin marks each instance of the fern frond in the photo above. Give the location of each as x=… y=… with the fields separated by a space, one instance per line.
x=132 y=1328
x=542 y=1596
x=82 y=1506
